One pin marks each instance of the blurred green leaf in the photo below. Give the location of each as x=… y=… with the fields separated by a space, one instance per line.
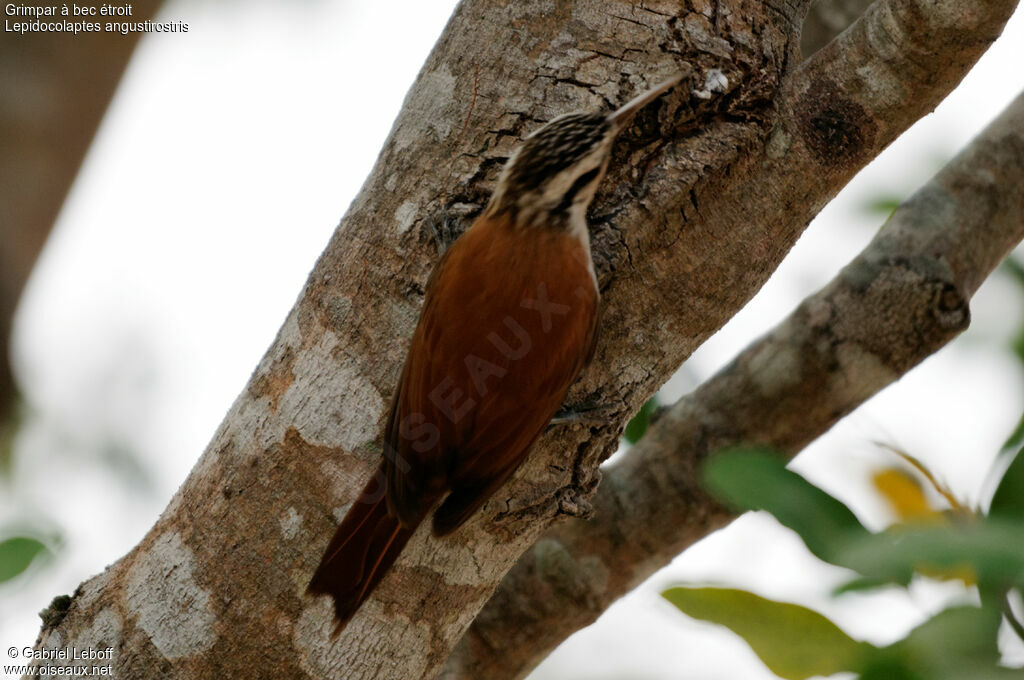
x=860 y=585
x=888 y=663
x=955 y=644
x=9 y=427
x=7 y=432
x=1013 y=266
x=1008 y=499
x=16 y=554
x=793 y=641
x=955 y=636
x=889 y=670
x=993 y=553
x=637 y=426
x=1017 y=345
x=757 y=479
x=883 y=205
x=1017 y=437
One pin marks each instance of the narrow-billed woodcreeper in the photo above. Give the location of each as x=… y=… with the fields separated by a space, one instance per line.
x=509 y=321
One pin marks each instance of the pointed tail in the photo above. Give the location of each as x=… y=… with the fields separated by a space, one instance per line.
x=365 y=545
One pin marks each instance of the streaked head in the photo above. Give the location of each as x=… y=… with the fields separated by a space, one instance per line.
x=553 y=175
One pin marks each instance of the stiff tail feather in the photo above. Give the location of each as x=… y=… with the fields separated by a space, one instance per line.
x=364 y=546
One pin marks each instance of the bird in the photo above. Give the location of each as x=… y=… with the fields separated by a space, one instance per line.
x=509 y=320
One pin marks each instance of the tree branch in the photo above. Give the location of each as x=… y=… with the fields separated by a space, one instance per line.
x=56 y=90
x=898 y=302
x=705 y=197
x=827 y=19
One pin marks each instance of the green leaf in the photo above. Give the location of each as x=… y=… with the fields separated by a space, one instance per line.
x=793 y=641
x=859 y=585
x=16 y=554
x=883 y=205
x=637 y=426
x=9 y=428
x=757 y=479
x=1016 y=437
x=1013 y=266
x=884 y=664
x=1008 y=499
x=957 y=643
x=992 y=551
x=955 y=636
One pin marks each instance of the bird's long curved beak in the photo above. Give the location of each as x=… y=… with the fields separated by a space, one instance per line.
x=621 y=116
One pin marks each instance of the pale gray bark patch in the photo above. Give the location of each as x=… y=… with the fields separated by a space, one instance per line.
x=321 y=657
x=167 y=602
x=334 y=404
x=405 y=216
x=290 y=523
x=104 y=633
x=429 y=108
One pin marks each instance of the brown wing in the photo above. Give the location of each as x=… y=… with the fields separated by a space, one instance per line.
x=507 y=325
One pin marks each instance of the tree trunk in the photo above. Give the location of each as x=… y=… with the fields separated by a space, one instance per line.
x=706 y=194
x=56 y=89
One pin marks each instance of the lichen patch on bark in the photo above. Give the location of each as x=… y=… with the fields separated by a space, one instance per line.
x=347 y=406
x=290 y=523
x=430 y=104
x=167 y=602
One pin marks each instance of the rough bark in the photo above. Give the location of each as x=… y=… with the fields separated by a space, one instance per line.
x=827 y=19
x=899 y=301
x=707 y=193
x=56 y=88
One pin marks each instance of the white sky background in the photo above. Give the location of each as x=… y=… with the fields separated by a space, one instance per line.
x=227 y=159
